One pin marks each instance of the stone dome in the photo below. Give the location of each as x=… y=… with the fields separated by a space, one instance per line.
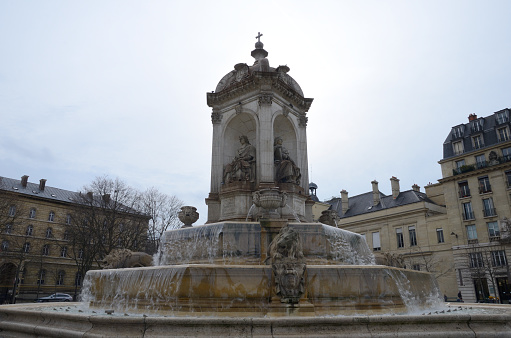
x=242 y=71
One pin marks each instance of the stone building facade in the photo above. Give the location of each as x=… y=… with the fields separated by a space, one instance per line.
x=405 y=229
x=36 y=257
x=476 y=188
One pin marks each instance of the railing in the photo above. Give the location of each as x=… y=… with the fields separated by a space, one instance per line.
x=473 y=241
x=489 y=212
x=481 y=164
x=464 y=192
x=483 y=189
x=467 y=216
x=463 y=169
x=494 y=238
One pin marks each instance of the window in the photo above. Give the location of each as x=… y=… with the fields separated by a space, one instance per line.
x=80 y=254
x=78 y=279
x=49 y=233
x=60 y=277
x=498 y=258
x=464 y=190
x=5 y=245
x=12 y=211
x=31 y=214
x=467 y=211
x=440 y=235
x=457 y=132
x=488 y=210
x=376 y=241
x=26 y=247
x=477 y=141
x=413 y=235
x=46 y=250
x=508 y=178
x=484 y=185
x=471 y=232
x=503 y=134
x=42 y=275
x=8 y=228
x=68 y=219
x=457 y=147
x=66 y=235
x=480 y=161
x=460 y=163
x=502 y=117
x=63 y=251
x=506 y=154
x=477 y=125
x=476 y=260
x=30 y=230
x=51 y=216
x=493 y=229
x=416 y=267
x=399 y=238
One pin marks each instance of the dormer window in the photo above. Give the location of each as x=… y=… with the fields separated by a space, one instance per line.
x=457 y=132
x=502 y=117
x=477 y=141
x=457 y=147
x=503 y=134
x=477 y=126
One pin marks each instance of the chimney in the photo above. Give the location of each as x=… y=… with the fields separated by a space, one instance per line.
x=89 y=195
x=42 y=184
x=376 y=193
x=24 y=181
x=472 y=117
x=344 y=201
x=106 y=198
x=394 y=183
x=415 y=187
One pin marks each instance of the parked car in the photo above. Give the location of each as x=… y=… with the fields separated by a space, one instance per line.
x=56 y=297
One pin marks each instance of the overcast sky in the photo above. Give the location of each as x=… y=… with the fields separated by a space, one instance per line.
x=118 y=88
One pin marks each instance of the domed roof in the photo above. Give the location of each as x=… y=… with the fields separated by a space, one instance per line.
x=242 y=71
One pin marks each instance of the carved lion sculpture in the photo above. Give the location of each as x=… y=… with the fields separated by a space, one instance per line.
x=288 y=265
x=124 y=258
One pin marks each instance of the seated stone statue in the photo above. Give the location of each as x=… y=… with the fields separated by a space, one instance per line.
x=242 y=168
x=286 y=171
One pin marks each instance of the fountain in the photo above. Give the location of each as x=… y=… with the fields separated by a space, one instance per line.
x=259 y=267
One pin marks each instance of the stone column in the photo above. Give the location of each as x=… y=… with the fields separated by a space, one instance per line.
x=266 y=139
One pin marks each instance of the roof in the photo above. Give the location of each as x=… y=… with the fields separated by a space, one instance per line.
x=363 y=204
x=485 y=126
x=55 y=194
x=32 y=189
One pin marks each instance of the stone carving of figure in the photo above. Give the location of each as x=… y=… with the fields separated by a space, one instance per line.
x=242 y=168
x=286 y=170
x=288 y=265
x=493 y=158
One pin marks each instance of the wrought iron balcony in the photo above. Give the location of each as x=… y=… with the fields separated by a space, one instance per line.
x=481 y=164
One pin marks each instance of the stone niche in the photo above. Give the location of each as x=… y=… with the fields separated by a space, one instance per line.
x=258 y=104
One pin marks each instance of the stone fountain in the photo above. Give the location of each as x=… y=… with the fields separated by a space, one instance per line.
x=259 y=267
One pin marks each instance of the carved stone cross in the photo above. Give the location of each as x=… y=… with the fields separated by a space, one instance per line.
x=258 y=37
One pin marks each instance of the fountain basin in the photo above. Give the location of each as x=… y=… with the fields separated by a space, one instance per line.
x=43 y=320
x=246 y=290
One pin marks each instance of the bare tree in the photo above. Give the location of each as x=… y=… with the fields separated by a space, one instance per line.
x=106 y=216
x=163 y=211
x=429 y=262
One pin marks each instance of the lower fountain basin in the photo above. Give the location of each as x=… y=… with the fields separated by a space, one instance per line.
x=246 y=290
x=65 y=320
